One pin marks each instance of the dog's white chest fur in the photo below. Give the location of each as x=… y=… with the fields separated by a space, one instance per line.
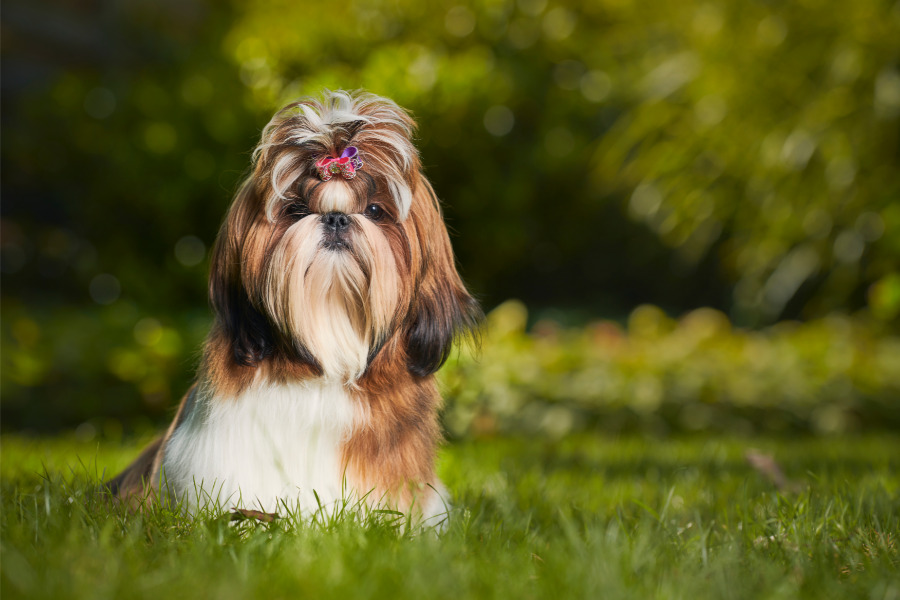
x=271 y=446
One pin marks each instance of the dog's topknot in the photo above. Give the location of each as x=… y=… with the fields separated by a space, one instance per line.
x=308 y=129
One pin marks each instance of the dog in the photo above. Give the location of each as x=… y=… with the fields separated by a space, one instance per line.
x=336 y=298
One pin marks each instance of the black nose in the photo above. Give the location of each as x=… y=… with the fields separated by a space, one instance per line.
x=336 y=221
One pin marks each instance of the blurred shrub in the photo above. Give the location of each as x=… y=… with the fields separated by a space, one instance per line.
x=696 y=373
x=103 y=368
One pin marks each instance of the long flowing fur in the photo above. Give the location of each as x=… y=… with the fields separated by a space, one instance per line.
x=318 y=370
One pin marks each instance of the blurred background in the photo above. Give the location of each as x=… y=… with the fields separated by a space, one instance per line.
x=682 y=216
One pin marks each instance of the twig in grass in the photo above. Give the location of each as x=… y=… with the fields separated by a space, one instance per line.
x=765 y=464
x=243 y=514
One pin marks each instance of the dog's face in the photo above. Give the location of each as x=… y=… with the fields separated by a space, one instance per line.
x=332 y=273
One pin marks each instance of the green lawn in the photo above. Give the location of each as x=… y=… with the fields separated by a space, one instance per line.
x=584 y=517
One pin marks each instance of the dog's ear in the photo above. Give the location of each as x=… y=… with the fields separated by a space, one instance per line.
x=245 y=327
x=442 y=310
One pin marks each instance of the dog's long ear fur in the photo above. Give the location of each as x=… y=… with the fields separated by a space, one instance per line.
x=442 y=310
x=245 y=327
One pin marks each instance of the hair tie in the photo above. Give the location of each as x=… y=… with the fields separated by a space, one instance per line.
x=346 y=165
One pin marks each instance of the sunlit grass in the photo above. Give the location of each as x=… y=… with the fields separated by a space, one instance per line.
x=580 y=517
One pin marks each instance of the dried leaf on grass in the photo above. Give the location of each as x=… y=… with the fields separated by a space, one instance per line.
x=242 y=514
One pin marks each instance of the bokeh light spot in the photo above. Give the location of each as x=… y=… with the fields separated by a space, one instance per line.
x=595 y=86
x=460 y=21
x=423 y=71
x=708 y=20
x=887 y=94
x=559 y=24
x=190 y=250
x=99 y=103
x=645 y=201
x=499 y=120
x=104 y=289
x=671 y=75
x=798 y=148
x=849 y=247
x=884 y=297
x=85 y=432
x=799 y=264
x=870 y=226
x=147 y=332
x=771 y=31
x=160 y=137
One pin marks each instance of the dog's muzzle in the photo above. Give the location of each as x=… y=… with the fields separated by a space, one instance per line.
x=336 y=225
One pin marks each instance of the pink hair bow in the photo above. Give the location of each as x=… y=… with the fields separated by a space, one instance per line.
x=347 y=165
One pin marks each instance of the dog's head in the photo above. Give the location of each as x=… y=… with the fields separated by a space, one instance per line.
x=335 y=250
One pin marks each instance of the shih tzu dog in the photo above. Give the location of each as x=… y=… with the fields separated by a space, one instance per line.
x=336 y=298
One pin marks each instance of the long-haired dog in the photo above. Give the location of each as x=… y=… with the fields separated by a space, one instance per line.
x=336 y=298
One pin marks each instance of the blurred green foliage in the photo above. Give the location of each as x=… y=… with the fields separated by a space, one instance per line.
x=658 y=374
x=593 y=156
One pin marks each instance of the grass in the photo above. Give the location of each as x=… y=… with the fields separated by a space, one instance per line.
x=581 y=517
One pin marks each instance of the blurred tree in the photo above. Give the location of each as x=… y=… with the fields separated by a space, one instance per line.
x=769 y=135
x=759 y=142
x=593 y=156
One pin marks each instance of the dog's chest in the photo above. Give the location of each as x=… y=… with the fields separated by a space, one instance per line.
x=272 y=445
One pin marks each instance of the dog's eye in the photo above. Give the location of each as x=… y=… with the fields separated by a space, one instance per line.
x=298 y=209
x=374 y=212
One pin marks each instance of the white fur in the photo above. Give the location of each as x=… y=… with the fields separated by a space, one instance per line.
x=336 y=195
x=272 y=445
x=284 y=173
x=330 y=320
x=320 y=297
x=324 y=298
